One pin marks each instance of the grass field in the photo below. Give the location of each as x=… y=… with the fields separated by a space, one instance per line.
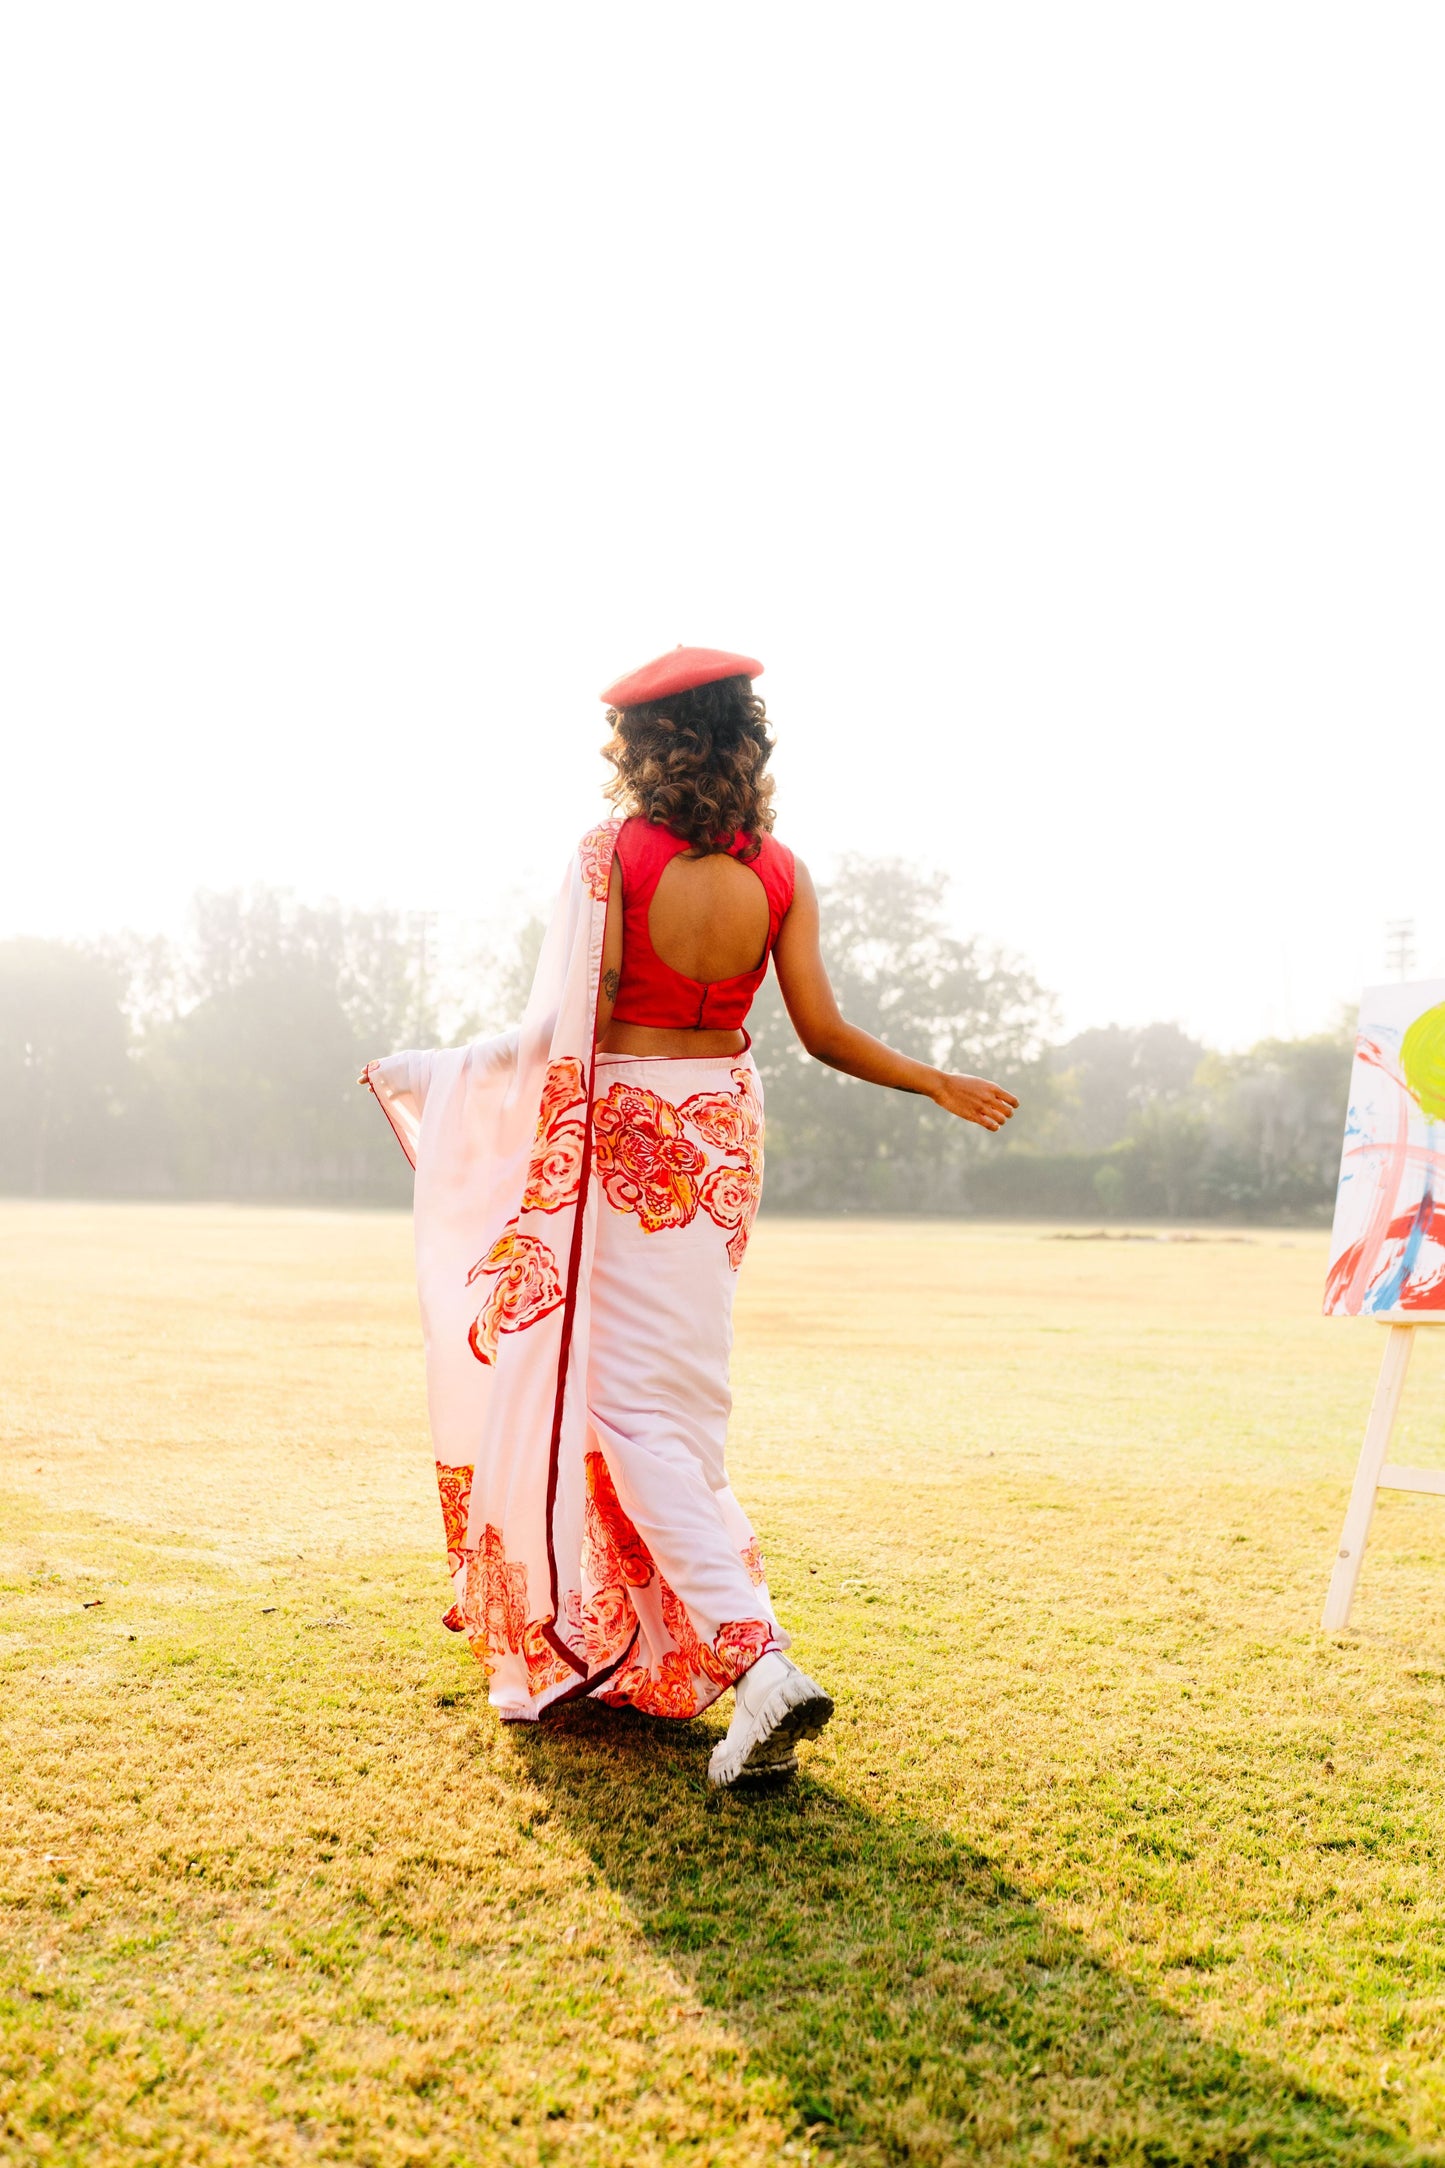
x=1109 y=1856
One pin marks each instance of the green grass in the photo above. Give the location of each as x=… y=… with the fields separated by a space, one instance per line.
x=1109 y=1855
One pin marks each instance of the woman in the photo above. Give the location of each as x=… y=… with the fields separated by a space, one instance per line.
x=585 y=1190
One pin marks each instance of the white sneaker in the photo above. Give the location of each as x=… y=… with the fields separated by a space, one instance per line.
x=775 y=1705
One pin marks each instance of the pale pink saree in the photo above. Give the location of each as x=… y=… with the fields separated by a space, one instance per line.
x=579 y=1223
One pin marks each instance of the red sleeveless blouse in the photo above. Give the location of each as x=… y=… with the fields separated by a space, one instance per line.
x=649 y=991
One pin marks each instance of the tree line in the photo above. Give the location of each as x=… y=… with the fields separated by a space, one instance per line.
x=225 y=1065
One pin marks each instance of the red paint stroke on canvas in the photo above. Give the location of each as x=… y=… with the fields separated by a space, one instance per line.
x=1426 y=1291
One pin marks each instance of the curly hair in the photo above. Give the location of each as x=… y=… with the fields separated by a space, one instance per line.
x=694 y=764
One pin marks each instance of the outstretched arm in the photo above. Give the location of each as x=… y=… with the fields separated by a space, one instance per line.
x=828 y=1037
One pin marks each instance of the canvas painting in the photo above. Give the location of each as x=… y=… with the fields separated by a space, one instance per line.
x=1387 y=1255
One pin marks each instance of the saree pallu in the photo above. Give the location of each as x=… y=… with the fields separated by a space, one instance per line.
x=579 y=1221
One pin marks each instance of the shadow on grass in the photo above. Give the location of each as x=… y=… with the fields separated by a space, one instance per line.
x=918 y=2007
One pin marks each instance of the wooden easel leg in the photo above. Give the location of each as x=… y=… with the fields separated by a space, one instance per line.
x=1361 y=1510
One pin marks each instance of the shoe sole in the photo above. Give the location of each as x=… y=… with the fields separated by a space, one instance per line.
x=788 y=1716
x=764 y=1772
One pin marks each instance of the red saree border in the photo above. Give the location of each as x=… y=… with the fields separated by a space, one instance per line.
x=569 y=1307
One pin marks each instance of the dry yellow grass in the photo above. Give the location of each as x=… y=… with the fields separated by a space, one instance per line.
x=1108 y=1856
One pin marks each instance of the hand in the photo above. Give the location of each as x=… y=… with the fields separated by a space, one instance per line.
x=974 y=1099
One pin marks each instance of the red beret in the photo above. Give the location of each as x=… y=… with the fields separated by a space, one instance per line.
x=678 y=673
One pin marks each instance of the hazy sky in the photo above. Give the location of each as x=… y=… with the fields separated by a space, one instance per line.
x=1051 y=395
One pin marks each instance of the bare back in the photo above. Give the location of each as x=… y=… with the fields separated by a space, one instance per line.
x=709 y=917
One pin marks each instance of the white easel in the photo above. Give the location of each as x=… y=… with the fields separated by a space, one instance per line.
x=1374 y=1473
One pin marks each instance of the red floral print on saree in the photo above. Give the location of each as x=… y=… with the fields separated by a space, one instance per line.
x=608 y=1624
x=565 y=1087
x=752 y=1558
x=555 y=1171
x=740 y=1642
x=455 y=1486
x=730 y=1197
x=701 y=1658
x=669 y=1690
x=526 y=1287
x=732 y=1122
x=719 y=1116
x=594 y=856
x=612 y=1549
x=493 y=1614
x=644 y=1162
x=494 y=1600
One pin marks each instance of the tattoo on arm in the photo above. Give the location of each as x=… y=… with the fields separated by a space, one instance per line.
x=610 y=983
